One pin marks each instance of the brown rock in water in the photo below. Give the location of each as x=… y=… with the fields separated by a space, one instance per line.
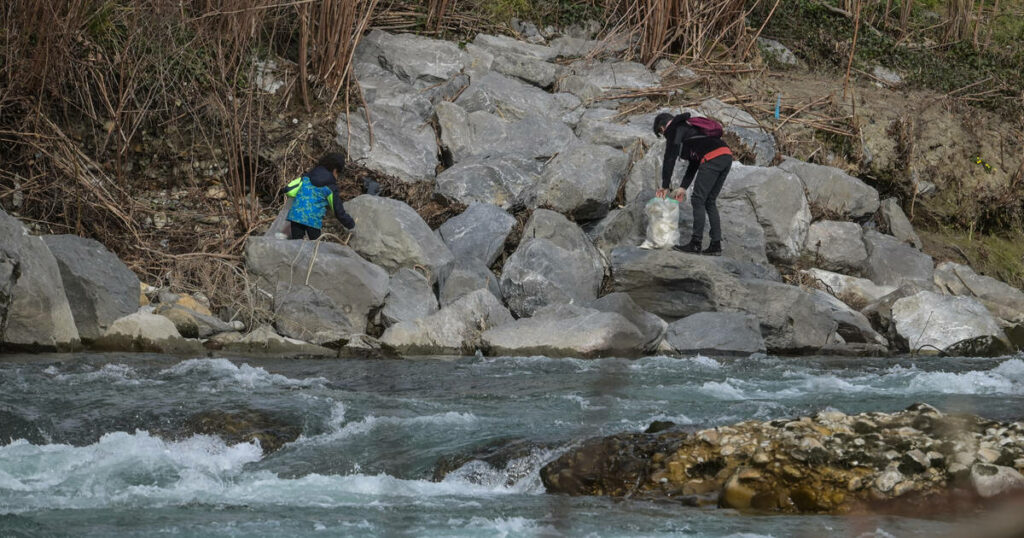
x=904 y=462
x=245 y=426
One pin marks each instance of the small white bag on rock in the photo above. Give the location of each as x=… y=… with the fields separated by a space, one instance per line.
x=662 y=223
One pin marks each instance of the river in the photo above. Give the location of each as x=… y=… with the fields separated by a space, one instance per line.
x=79 y=455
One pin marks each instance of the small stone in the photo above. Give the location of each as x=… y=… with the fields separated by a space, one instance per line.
x=728 y=450
x=675 y=471
x=888 y=480
x=863 y=426
x=708 y=436
x=902 y=487
x=761 y=458
x=854 y=484
x=792 y=472
x=988 y=455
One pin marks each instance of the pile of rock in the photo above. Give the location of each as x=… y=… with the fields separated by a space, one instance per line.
x=829 y=462
x=500 y=126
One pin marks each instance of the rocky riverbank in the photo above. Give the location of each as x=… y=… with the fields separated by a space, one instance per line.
x=505 y=126
x=826 y=463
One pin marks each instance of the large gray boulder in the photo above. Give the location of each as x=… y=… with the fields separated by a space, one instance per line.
x=582 y=181
x=468 y=275
x=526 y=68
x=614 y=77
x=354 y=285
x=651 y=327
x=929 y=323
x=600 y=126
x=554 y=263
x=620 y=227
x=740 y=124
x=837 y=246
x=403 y=145
x=565 y=330
x=514 y=99
x=414 y=59
x=716 y=332
x=32 y=299
x=478 y=233
x=891 y=262
x=382 y=88
x=470 y=134
x=792 y=319
x=672 y=284
x=743 y=238
x=393 y=235
x=502 y=180
x=778 y=201
x=499 y=44
x=645 y=174
x=452 y=330
x=897 y=224
x=1003 y=300
x=834 y=191
x=99 y=287
x=410 y=296
x=308 y=314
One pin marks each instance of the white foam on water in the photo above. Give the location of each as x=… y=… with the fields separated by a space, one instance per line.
x=341 y=430
x=674 y=364
x=500 y=526
x=117 y=374
x=974 y=382
x=139 y=470
x=582 y=402
x=723 y=390
x=222 y=373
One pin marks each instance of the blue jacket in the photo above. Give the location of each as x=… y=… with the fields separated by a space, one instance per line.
x=313 y=193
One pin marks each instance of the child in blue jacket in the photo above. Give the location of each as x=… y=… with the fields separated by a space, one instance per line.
x=313 y=193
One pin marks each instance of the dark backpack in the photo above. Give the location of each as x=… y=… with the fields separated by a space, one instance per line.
x=707 y=127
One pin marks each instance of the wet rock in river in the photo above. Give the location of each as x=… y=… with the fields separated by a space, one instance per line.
x=269 y=430
x=827 y=463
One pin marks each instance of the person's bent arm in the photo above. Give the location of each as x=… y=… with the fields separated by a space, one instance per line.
x=339 y=210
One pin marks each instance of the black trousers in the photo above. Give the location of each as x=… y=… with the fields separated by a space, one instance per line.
x=706 y=186
x=300 y=230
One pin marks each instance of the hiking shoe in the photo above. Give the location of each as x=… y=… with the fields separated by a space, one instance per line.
x=714 y=249
x=693 y=247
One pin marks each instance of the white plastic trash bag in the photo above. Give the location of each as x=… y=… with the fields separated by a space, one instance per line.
x=662 y=223
x=281 y=226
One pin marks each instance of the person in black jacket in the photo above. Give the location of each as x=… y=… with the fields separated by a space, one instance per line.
x=709 y=162
x=314 y=192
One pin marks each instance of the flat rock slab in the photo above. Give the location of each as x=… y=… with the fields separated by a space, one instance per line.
x=582 y=181
x=716 y=332
x=932 y=323
x=892 y=263
x=504 y=181
x=837 y=246
x=565 y=331
x=834 y=191
x=404 y=145
x=465 y=135
x=392 y=235
x=99 y=287
x=478 y=233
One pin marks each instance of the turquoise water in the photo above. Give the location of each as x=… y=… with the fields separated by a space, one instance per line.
x=79 y=455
